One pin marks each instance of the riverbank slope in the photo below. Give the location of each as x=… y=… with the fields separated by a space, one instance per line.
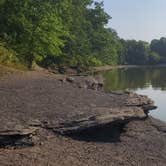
x=50 y=120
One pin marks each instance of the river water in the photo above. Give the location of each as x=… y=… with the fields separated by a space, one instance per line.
x=150 y=81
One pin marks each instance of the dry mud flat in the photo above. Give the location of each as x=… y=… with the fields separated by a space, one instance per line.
x=51 y=121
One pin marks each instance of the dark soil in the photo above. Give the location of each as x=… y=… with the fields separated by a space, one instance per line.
x=33 y=106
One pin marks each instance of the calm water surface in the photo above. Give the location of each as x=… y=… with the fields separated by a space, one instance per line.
x=149 y=81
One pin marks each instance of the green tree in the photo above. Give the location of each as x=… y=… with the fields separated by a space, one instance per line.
x=159 y=46
x=137 y=52
x=32 y=28
x=154 y=58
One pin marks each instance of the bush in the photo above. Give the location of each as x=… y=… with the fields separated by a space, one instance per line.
x=83 y=61
x=9 y=58
x=154 y=58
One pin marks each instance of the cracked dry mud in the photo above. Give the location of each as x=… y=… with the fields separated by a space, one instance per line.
x=45 y=121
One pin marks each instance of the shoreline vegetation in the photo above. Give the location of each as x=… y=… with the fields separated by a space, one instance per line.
x=110 y=67
x=51 y=35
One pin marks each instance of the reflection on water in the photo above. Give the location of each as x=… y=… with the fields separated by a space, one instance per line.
x=144 y=80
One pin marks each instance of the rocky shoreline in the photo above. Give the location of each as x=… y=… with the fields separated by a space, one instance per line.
x=58 y=120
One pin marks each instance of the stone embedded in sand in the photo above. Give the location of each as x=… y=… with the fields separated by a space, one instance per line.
x=88 y=82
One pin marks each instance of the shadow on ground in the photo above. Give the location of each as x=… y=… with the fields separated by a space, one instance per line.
x=16 y=141
x=104 y=134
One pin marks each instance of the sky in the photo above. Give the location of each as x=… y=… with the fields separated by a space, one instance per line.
x=137 y=19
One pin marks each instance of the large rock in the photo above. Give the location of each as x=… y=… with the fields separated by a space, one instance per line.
x=87 y=82
x=25 y=99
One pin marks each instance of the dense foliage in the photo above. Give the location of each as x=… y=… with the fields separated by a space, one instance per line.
x=159 y=47
x=69 y=32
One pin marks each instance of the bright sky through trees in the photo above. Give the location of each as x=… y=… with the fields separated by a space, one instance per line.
x=137 y=19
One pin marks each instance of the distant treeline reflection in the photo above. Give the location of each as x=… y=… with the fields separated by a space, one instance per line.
x=134 y=78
